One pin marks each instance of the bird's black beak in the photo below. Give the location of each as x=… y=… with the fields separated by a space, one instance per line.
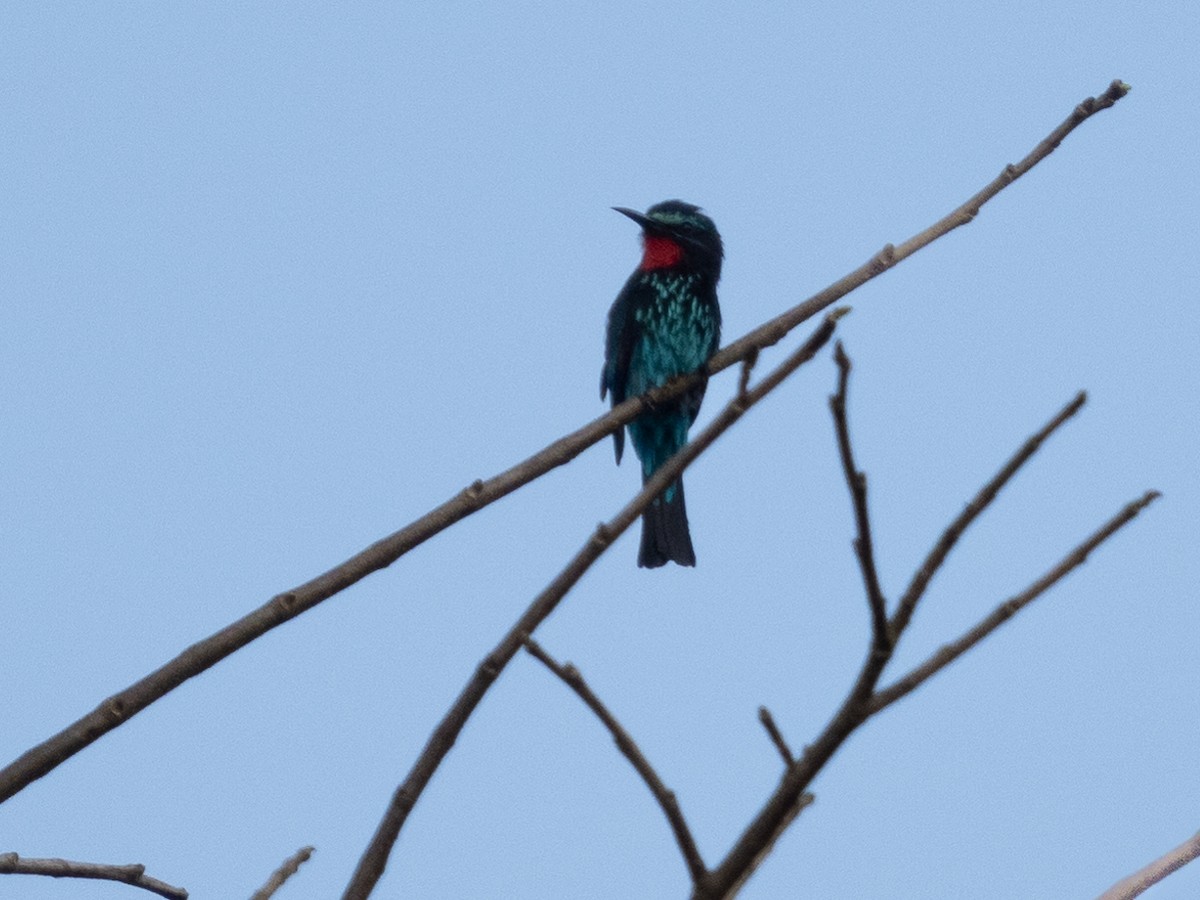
x=637 y=217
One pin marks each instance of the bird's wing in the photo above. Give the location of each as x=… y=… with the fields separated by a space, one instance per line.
x=622 y=337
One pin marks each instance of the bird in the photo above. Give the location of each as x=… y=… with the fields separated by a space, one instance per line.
x=665 y=322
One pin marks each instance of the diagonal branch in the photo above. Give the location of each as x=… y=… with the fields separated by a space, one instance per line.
x=773 y=331
x=980 y=502
x=1152 y=874
x=1009 y=608
x=134 y=874
x=120 y=707
x=763 y=850
x=374 y=858
x=776 y=736
x=864 y=548
x=665 y=797
x=286 y=870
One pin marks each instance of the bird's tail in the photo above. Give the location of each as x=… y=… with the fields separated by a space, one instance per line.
x=665 y=535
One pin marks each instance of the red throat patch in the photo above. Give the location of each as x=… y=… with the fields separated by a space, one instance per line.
x=661 y=253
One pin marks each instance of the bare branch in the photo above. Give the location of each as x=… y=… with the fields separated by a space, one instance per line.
x=773 y=331
x=768 y=722
x=776 y=813
x=286 y=870
x=864 y=548
x=804 y=800
x=1006 y=610
x=863 y=701
x=120 y=707
x=134 y=874
x=665 y=797
x=1128 y=888
x=980 y=502
x=374 y=859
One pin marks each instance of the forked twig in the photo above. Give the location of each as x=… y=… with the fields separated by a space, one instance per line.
x=864 y=699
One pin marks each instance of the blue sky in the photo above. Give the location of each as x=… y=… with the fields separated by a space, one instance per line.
x=278 y=278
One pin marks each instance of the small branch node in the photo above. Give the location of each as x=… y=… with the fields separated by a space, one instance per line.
x=472 y=491
x=883 y=260
x=490 y=667
x=840 y=357
x=602 y=536
x=1116 y=91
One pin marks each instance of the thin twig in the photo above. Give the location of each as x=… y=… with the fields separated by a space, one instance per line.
x=286 y=870
x=1139 y=881
x=1009 y=608
x=768 y=722
x=949 y=537
x=665 y=797
x=864 y=547
x=134 y=874
x=374 y=858
x=120 y=707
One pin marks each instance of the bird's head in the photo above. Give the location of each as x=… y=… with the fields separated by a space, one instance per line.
x=678 y=235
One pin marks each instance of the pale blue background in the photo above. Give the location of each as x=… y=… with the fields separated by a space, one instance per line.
x=277 y=278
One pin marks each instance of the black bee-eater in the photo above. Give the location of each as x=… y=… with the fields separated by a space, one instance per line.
x=665 y=322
